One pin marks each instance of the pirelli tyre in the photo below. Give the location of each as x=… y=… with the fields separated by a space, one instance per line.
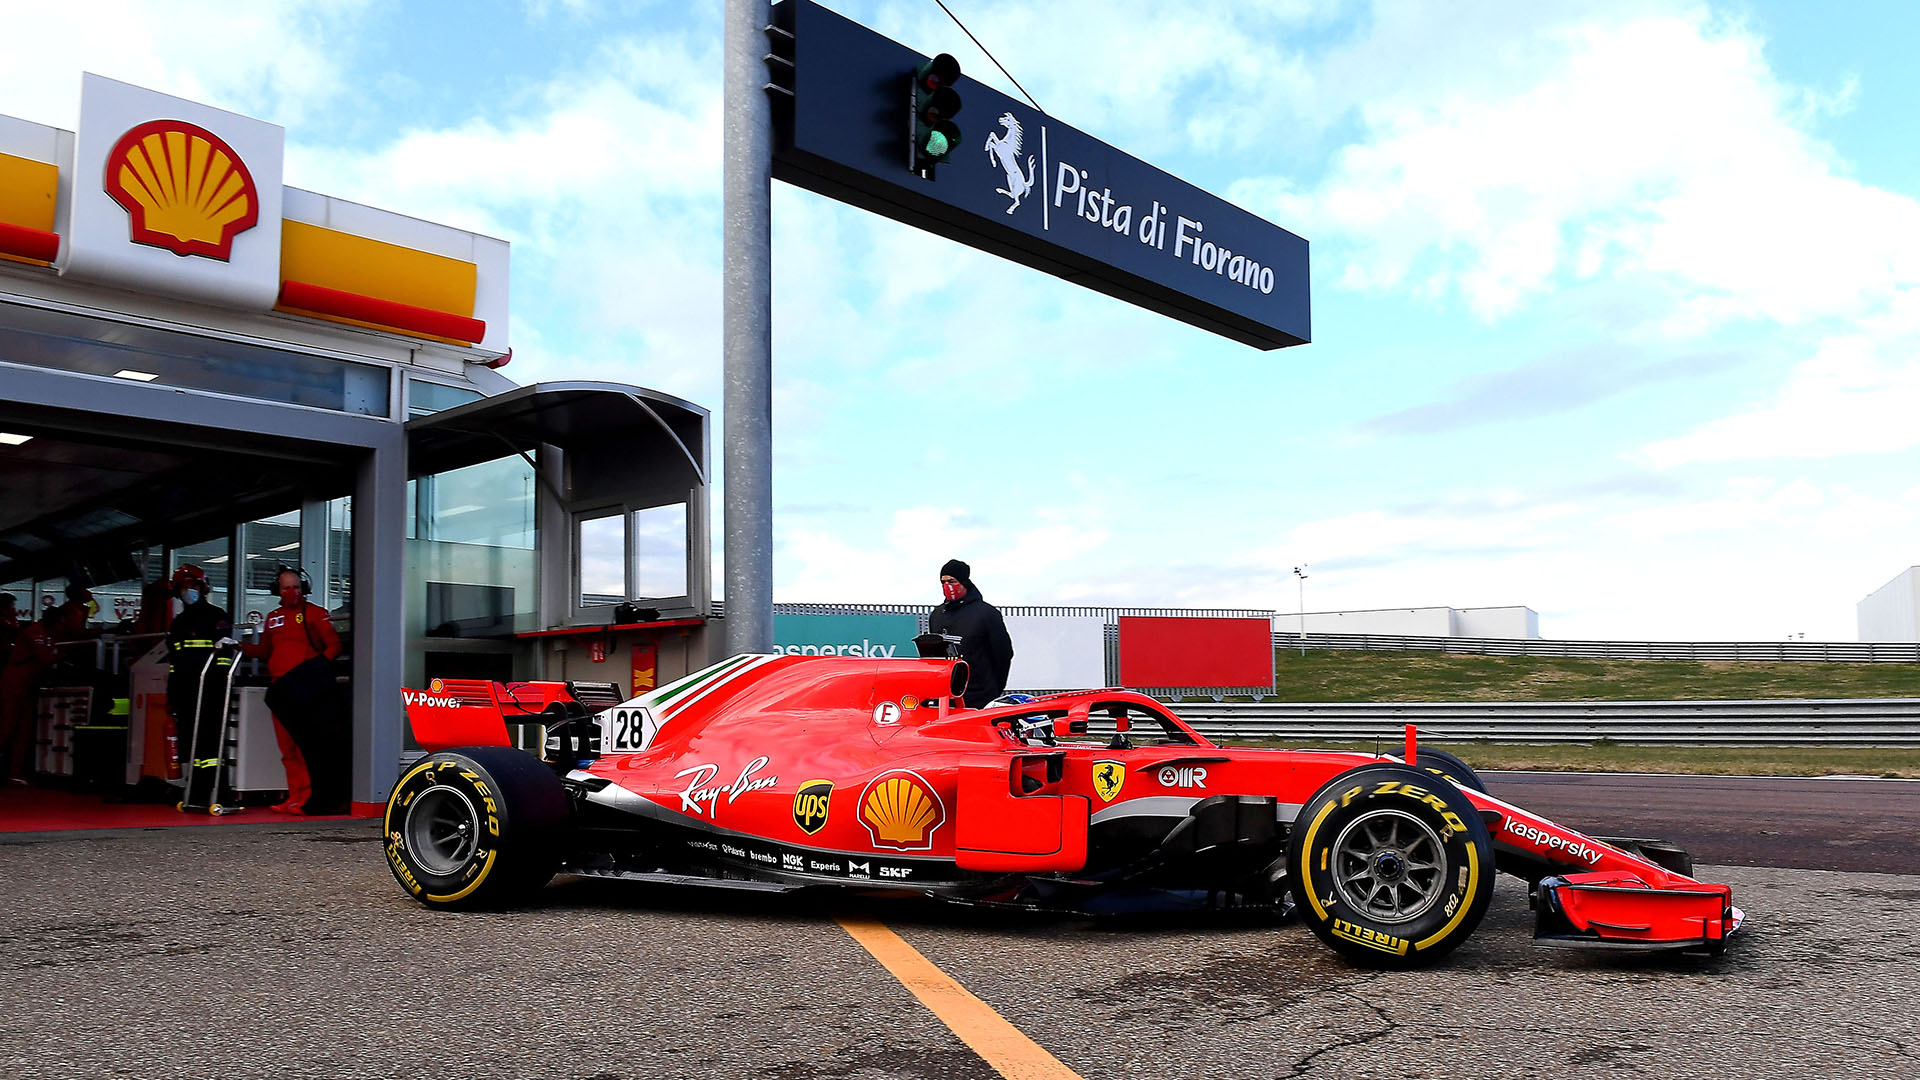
x=1439 y=761
x=1389 y=866
x=475 y=827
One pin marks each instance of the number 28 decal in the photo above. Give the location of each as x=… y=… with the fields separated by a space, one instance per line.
x=629 y=730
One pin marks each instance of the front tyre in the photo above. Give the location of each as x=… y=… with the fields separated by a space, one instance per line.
x=475 y=827
x=1390 y=867
x=1438 y=761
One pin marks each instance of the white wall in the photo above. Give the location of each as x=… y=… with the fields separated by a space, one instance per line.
x=1424 y=622
x=1892 y=611
x=1057 y=652
x=1515 y=621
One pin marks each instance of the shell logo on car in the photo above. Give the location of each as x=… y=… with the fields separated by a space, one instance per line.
x=901 y=811
x=183 y=188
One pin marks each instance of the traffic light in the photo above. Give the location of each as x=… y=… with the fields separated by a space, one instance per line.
x=934 y=103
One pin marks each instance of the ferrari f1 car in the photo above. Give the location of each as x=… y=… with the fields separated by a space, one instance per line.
x=796 y=772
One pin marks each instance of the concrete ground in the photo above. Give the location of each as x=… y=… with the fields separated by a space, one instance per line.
x=287 y=950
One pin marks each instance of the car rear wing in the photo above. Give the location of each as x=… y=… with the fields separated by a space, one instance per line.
x=456 y=712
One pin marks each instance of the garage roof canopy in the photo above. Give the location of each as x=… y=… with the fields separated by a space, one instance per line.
x=589 y=419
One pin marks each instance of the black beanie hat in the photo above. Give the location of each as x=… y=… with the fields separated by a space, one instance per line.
x=957 y=569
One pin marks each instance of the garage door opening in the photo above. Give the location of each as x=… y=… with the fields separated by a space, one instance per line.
x=93 y=526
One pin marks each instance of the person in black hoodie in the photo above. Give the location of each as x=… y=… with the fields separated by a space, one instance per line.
x=984 y=643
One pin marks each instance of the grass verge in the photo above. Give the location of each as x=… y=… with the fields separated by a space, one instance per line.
x=1354 y=675
x=1607 y=756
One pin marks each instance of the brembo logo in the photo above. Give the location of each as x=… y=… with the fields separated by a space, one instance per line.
x=1544 y=839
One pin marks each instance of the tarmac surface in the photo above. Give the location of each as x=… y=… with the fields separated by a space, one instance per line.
x=286 y=950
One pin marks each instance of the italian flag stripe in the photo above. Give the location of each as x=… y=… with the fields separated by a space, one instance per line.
x=698 y=679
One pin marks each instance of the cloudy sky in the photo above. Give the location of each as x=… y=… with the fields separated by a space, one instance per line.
x=1615 y=304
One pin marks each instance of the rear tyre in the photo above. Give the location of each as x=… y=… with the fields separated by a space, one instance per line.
x=1390 y=868
x=1439 y=761
x=480 y=826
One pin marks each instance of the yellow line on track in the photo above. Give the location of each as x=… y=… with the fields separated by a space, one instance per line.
x=1001 y=1045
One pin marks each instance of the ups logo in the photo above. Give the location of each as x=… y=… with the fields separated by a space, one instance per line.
x=810 y=805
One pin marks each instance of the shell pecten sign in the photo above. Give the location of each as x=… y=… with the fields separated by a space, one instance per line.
x=183 y=188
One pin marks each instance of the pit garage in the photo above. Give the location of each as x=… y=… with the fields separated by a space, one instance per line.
x=301 y=382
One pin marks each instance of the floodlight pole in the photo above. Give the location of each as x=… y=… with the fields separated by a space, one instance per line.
x=1301 y=573
x=746 y=336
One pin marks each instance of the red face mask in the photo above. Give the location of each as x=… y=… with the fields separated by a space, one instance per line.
x=290 y=596
x=952 y=590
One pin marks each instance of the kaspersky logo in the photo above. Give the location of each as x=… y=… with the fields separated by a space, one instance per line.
x=183 y=188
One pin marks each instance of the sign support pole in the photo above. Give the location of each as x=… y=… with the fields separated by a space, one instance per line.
x=747 y=332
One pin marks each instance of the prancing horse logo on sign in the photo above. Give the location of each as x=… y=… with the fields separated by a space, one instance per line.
x=1108 y=776
x=1006 y=151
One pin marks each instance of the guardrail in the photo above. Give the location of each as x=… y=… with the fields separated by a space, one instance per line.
x=1902 y=652
x=1786 y=722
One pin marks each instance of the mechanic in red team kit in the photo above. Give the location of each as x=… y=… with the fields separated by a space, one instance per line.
x=191 y=641
x=984 y=643
x=299 y=644
x=32 y=654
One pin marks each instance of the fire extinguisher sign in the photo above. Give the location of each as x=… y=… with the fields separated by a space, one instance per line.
x=646 y=670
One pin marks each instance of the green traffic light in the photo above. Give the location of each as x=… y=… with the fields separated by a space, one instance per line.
x=934 y=103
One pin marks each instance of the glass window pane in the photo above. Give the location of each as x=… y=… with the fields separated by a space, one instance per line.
x=22 y=593
x=660 y=534
x=491 y=503
x=119 y=599
x=426 y=398
x=65 y=342
x=267 y=545
x=603 y=558
x=340 y=554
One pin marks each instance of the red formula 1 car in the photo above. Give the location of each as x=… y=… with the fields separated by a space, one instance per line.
x=790 y=772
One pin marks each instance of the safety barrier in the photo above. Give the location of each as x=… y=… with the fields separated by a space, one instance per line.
x=1786 y=722
x=1902 y=652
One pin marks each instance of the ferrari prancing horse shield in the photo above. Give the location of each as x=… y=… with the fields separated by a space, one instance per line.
x=1108 y=776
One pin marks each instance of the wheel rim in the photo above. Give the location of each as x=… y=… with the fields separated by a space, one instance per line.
x=1389 y=865
x=443 y=829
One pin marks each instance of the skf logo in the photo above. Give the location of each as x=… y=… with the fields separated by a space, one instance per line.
x=901 y=811
x=1108 y=776
x=1189 y=776
x=183 y=188
x=810 y=805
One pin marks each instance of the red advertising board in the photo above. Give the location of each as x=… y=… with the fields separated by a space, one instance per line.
x=1157 y=652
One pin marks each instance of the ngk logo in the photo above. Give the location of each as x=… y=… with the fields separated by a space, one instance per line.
x=1184 y=776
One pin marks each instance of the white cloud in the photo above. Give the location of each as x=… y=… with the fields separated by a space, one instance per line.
x=1752 y=558
x=1658 y=145
x=1009 y=565
x=1859 y=394
x=283 y=61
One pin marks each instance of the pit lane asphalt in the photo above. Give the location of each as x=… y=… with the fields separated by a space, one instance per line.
x=1808 y=824
x=288 y=951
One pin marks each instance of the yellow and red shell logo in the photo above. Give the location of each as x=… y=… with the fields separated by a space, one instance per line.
x=901 y=811
x=436 y=687
x=183 y=188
